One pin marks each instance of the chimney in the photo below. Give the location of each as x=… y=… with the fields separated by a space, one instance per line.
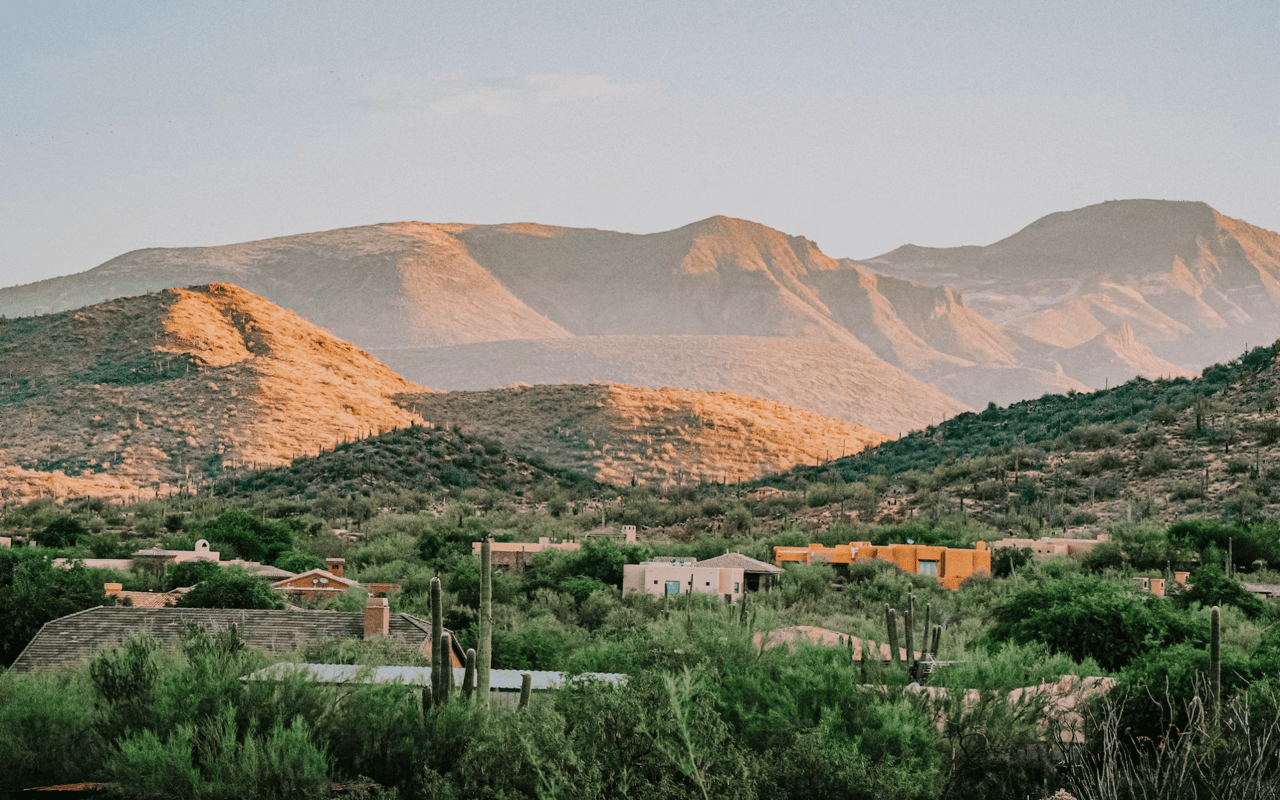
x=1181 y=578
x=629 y=531
x=1157 y=587
x=377 y=617
x=112 y=589
x=334 y=565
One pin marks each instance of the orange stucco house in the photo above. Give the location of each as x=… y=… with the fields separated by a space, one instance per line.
x=950 y=565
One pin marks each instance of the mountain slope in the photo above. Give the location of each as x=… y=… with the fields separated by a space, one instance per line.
x=1194 y=285
x=620 y=434
x=378 y=286
x=155 y=390
x=833 y=379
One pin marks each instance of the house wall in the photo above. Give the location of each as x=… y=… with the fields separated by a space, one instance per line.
x=515 y=555
x=1050 y=546
x=953 y=564
x=652 y=578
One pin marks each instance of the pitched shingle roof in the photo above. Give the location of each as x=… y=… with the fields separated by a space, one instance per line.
x=739 y=561
x=78 y=636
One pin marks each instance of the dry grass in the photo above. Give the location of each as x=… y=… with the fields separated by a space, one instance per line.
x=142 y=394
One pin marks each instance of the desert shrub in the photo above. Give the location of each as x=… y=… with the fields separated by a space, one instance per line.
x=1210 y=586
x=33 y=592
x=1087 y=617
x=299 y=562
x=247 y=536
x=232 y=587
x=61 y=532
x=1103 y=462
x=1239 y=465
x=48 y=730
x=1156 y=461
x=189 y=573
x=991 y=490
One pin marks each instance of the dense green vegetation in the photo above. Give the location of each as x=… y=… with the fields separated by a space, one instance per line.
x=705 y=711
x=1092 y=419
x=411 y=461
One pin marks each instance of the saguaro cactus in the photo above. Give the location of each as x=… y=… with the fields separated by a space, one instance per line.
x=446 y=664
x=526 y=689
x=1215 y=664
x=928 y=627
x=439 y=662
x=909 y=623
x=891 y=622
x=484 y=656
x=469 y=676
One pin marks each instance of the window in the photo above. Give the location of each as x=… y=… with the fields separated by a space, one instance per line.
x=929 y=568
x=736 y=590
x=673 y=587
x=708 y=583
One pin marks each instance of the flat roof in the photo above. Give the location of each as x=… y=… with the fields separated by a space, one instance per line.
x=500 y=680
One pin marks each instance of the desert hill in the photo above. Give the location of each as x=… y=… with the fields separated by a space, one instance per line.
x=1195 y=285
x=148 y=393
x=833 y=379
x=1064 y=464
x=624 y=434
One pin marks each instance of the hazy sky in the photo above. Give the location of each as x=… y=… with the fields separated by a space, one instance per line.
x=862 y=126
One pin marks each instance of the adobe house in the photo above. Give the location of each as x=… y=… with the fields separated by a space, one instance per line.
x=1050 y=546
x=514 y=556
x=76 y=637
x=730 y=576
x=949 y=565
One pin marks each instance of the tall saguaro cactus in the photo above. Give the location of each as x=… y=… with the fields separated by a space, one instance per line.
x=1215 y=664
x=446 y=664
x=439 y=659
x=909 y=623
x=484 y=656
x=469 y=675
x=928 y=627
x=891 y=622
x=526 y=689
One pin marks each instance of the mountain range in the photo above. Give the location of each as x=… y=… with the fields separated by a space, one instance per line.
x=163 y=391
x=1075 y=301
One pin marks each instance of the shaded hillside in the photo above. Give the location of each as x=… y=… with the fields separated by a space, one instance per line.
x=828 y=378
x=419 y=459
x=150 y=392
x=1161 y=449
x=1195 y=285
x=624 y=434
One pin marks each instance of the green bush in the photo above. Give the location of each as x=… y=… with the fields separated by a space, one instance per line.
x=232 y=587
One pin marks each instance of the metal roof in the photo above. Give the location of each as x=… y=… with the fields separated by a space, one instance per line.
x=500 y=680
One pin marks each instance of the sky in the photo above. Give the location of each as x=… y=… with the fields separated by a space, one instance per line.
x=862 y=126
